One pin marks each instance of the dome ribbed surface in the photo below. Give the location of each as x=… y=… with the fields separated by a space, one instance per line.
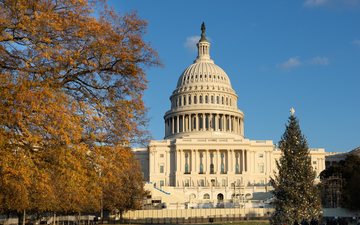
x=203 y=72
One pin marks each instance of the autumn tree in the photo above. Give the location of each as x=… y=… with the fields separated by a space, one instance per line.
x=296 y=197
x=69 y=82
x=120 y=192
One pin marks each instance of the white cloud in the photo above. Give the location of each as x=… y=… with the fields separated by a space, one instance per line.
x=294 y=62
x=315 y=3
x=356 y=42
x=290 y=63
x=334 y=4
x=191 y=42
x=319 y=60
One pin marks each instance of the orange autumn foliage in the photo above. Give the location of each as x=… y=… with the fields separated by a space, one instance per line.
x=71 y=89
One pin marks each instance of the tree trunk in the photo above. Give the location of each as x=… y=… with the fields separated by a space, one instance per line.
x=121 y=216
x=24 y=218
x=21 y=218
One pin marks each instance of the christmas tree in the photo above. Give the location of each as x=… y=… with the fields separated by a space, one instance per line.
x=296 y=197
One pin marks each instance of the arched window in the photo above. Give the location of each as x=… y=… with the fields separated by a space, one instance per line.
x=217 y=100
x=227 y=101
x=179 y=101
x=212 y=99
x=195 y=99
x=189 y=99
x=206 y=196
x=201 y=99
x=222 y=100
x=184 y=99
x=206 y=99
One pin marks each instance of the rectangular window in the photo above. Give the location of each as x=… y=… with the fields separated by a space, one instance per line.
x=161 y=183
x=261 y=167
x=161 y=155
x=261 y=155
x=314 y=162
x=162 y=169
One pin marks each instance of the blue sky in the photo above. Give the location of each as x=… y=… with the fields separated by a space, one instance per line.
x=278 y=55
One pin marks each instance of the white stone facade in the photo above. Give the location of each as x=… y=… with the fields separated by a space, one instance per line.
x=204 y=157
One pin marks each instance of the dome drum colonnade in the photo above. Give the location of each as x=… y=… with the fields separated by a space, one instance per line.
x=192 y=122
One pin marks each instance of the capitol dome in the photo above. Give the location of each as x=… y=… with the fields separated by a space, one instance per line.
x=201 y=72
x=203 y=101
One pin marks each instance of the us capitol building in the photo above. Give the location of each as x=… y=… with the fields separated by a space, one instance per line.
x=205 y=160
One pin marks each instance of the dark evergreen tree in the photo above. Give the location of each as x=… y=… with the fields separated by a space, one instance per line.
x=347 y=173
x=296 y=197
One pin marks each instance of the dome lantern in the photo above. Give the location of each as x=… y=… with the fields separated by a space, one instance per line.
x=203 y=47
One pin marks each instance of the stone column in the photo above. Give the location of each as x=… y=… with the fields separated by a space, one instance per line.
x=245 y=161
x=254 y=160
x=234 y=124
x=250 y=153
x=185 y=128
x=183 y=123
x=237 y=125
x=178 y=160
x=203 y=122
x=177 y=124
x=230 y=123
x=218 y=121
x=207 y=164
x=223 y=122
x=227 y=122
x=218 y=160
x=241 y=161
x=167 y=163
x=268 y=160
x=242 y=127
x=196 y=168
x=192 y=119
x=197 y=122
x=216 y=124
x=189 y=123
x=172 y=125
x=231 y=161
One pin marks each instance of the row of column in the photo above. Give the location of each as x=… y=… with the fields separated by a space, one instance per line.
x=203 y=122
x=184 y=100
x=212 y=161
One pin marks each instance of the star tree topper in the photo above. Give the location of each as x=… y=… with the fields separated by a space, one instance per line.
x=292 y=111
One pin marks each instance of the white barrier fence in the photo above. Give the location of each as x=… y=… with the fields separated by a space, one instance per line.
x=199 y=213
